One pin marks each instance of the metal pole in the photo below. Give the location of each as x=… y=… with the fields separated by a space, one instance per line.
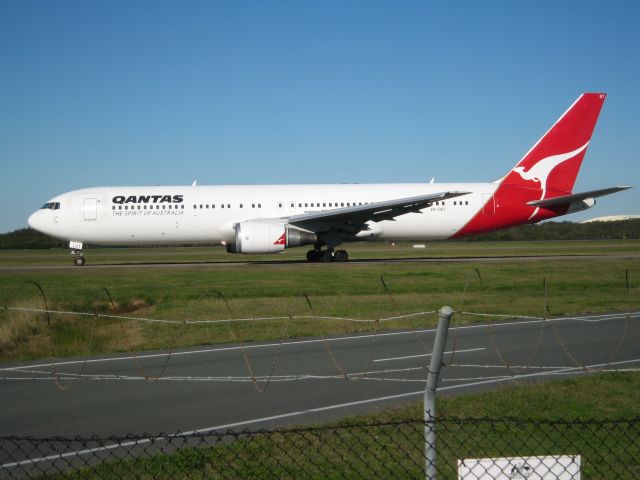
x=444 y=315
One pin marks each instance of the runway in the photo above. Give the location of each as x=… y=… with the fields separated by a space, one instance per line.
x=298 y=381
x=369 y=261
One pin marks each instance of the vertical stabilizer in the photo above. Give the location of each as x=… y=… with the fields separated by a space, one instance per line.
x=553 y=163
x=546 y=171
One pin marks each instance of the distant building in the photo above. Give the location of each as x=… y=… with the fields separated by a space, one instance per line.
x=612 y=218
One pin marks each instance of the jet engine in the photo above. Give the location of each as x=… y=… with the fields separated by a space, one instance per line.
x=268 y=237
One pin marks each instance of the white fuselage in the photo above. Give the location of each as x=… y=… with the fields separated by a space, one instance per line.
x=207 y=214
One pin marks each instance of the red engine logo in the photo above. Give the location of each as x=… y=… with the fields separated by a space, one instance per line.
x=282 y=240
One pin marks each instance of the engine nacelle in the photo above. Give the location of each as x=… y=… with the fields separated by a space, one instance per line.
x=268 y=237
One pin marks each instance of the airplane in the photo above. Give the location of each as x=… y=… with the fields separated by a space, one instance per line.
x=272 y=218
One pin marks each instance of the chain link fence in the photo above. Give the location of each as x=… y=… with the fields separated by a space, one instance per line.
x=598 y=449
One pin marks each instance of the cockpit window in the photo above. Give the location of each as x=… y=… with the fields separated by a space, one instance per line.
x=51 y=206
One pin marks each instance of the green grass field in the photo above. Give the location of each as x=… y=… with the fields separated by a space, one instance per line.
x=355 y=290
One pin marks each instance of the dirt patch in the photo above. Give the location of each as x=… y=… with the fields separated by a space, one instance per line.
x=134 y=305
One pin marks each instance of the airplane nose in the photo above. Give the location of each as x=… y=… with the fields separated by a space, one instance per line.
x=33 y=220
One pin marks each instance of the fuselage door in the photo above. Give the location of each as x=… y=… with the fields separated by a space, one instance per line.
x=488 y=204
x=90 y=208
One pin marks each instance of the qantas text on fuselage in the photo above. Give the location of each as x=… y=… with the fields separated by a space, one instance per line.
x=271 y=218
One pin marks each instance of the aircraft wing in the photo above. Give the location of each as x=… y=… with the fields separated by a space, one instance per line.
x=568 y=199
x=351 y=220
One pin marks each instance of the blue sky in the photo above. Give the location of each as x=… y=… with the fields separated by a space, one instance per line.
x=146 y=93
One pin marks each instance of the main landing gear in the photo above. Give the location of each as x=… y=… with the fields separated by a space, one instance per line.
x=327 y=255
x=78 y=258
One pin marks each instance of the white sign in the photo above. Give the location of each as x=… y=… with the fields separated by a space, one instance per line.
x=75 y=245
x=564 y=467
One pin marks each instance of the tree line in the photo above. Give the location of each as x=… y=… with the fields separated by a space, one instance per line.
x=621 y=229
x=28 y=238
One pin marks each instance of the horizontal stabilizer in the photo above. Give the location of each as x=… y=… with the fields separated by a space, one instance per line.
x=574 y=197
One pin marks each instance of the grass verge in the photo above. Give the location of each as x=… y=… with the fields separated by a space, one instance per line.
x=573 y=286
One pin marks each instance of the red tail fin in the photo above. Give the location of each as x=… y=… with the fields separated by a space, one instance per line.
x=548 y=170
x=554 y=161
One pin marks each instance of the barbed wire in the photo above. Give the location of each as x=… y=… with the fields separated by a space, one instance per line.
x=224 y=320
x=261 y=382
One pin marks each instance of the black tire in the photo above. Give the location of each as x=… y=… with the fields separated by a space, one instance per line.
x=327 y=256
x=78 y=261
x=341 y=256
x=313 y=256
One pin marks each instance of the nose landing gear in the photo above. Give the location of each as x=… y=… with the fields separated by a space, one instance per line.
x=76 y=252
x=78 y=258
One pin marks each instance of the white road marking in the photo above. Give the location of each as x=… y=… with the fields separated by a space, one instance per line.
x=613 y=316
x=227 y=426
x=522 y=367
x=427 y=355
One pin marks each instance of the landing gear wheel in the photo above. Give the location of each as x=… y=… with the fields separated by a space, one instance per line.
x=313 y=255
x=341 y=256
x=327 y=256
x=78 y=261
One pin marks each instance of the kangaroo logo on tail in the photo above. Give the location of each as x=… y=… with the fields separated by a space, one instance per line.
x=541 y=170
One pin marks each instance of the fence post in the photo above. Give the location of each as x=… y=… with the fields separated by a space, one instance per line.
x=444 y=315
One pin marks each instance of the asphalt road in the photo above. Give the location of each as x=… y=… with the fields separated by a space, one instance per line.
x=296 y=381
